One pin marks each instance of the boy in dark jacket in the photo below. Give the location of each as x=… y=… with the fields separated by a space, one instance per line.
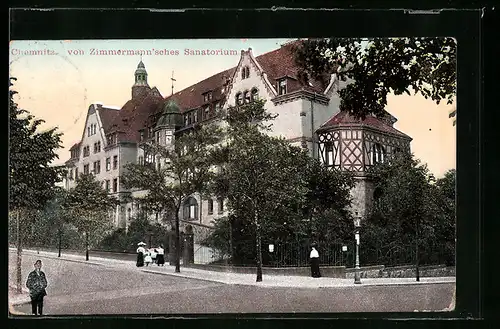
x=37 y=282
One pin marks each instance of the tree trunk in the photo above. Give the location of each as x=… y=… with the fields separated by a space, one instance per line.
x=177 y=244
x=86 y=246
x=230 y=241
x=417 y=255
x=259 y=246
x=19 y=256
x=59 y=242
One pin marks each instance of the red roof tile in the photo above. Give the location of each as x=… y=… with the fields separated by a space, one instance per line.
x=107 y=116
x=280 y=63
x=134 y=115
x=191 y=97
x=343 y=118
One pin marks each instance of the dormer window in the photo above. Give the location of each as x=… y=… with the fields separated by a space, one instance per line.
x=141 y=133
x=239 y=98
x=282 y=87
x=245 y=72
x=207 y=97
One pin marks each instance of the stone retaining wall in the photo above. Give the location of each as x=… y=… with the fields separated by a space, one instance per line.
x=403 y=272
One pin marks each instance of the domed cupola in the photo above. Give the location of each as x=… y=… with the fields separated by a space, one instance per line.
x=141 y=80
x=171 y=116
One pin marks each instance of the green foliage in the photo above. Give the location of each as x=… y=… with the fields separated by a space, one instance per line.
x=273 y=190
x=140 y=229
x=379 y=66
x=184 y=170
x=31 y=151
x=410 y=207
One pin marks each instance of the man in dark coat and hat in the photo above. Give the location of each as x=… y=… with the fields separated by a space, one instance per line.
x=36 y=283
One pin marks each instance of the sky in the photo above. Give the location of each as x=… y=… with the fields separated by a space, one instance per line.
x=58 y=80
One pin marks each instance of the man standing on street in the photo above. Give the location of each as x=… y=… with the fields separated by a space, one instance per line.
x=37 y=282
x=314 y=257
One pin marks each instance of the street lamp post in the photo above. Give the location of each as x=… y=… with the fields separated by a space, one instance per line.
x=357 y=224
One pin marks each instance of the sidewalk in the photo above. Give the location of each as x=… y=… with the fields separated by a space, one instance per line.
x=242 y=279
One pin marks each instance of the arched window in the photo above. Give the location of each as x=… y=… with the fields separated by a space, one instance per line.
x=239 y=99
x=247 y=97
x=255 y=94
x=190 y=209
x=378 y=153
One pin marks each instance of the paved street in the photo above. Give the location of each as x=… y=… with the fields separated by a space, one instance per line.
x=80 y=288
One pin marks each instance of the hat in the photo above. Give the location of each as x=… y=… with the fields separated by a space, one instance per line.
x=38 y=261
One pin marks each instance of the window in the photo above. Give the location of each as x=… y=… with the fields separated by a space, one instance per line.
x=115 y=185
x=76 y=173
x=190 y=209
x=158 y=165
x=329 y=155
x=149 y=158
x=158 y=137
x=255 y=94
x=150 y=132
x=97 y=167
x=245 y=72
x=141 y=135
x=107 y=185
x=195 y=116
x=88 y=131
x=86 y=169
x=210 y=96
x=185 y=120
x=206 y=112
x=115 y=161
x=210 y=206
x=168 y=137
x=282 y=87
x=239 y=99
x=221 y=206
x=70 y=176
x=378 y=153
x=217 y=106
x=141 y=160
x=86 y=151
x=247 y=97
x=108 y=164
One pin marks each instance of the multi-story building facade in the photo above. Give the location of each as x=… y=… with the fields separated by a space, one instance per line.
x=308 y=117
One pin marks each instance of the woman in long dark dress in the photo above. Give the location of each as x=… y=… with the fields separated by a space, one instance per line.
x=160 y=257
x=140 y=256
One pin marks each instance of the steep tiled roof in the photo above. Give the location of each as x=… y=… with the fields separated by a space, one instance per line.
x=280 y=63
x=133 y=116
x=343 y=118
x=276 y=64
x=107 y=116
x=191 y=97
x=76 y=145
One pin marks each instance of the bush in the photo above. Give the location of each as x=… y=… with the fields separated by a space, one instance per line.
x=140 y=229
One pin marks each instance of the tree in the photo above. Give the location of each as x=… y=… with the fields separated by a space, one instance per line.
x=407 y=207
x=88 y=205
x=269 y=185
x=185 y=169
x=379 y=66
x=31 y=177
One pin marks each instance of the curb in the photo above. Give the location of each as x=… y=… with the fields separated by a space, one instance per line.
x=263 y=284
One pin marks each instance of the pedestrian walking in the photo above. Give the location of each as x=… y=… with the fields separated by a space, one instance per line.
x=160 y=258
x=36 y=283
x=140 y=254
x=314 y=257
